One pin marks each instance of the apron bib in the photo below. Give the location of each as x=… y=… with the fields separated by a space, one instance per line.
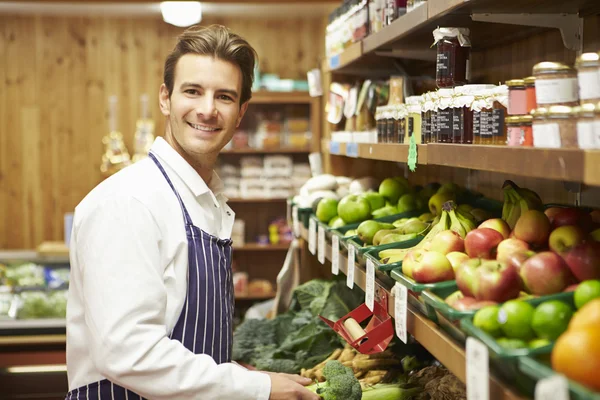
x=205 y=323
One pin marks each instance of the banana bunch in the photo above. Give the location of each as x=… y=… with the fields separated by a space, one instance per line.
x=517 y=201
x=461 y=222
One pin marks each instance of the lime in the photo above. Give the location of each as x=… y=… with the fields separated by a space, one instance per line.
x=512 y=343
x=486 y=319
x=586 y=291
x=551 y=319
x=537 y=343
x=515 y=318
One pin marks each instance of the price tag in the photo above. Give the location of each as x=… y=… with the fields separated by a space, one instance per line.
x=335 y=254
x=312 y=236
x=400 y=307
x=478 y=377
x=554 y=387
x=295 y=221
x=370 y=285
x=352 y=149
x=412 y=154
x=350 y=274
x=334 y=148
x=321 y=247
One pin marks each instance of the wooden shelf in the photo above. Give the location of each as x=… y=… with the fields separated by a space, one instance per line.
x=591 y=171
x=264 y=97
x=262 y=247
x=255 y=297
x=437 y=342
x=282 y=150
x=374 y=151
x=257 y=200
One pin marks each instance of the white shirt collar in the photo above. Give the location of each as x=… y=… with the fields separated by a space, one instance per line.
x=185 y=171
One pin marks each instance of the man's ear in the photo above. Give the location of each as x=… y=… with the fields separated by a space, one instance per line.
x=243 y=109
x=164 y=100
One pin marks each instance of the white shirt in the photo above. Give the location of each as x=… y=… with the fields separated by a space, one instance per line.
x=129 y=266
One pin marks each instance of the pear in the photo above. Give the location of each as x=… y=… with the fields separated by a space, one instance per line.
x=437 y=200
x=380 y=234
x=409 y=202
x=414 y=225
x=426 y=217
x=399 y=222
x=385 y=211
x=367 y=230
x=351 y=232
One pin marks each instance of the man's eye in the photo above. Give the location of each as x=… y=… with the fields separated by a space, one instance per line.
x=191 y=91
x=225 y=97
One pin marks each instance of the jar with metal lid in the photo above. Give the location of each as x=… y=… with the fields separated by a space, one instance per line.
x=514 y=133
x=526 y=127
x=531 y=102
x=400 y=123
x=453 y=56
x=413 y=118
x=555 y=127
x=391 y=125
x=380 y=123
x=555 y=84
x=588 y=77
x=426 y=106
x=433 y=138
x=586 y=125
x=482 y=107
x=517 y=97
x=499 y=108
x=445 y=114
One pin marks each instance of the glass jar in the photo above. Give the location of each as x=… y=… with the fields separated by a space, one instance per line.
x=413 y=118
x=499 y=111
x=588 y=77
x=433 y=138
x=453 y=56
x=482 y=107
x=517 y=97
x=586 y=118
x=400 y=123
x=514 y=133
x=393 y=10
x=380 y=123
x=396 y=95
x=462 y=120
x=426 y=107
x=555 y=84
x=445 y=114
x=526 y=127
x=530 y=93
x=391 y=125
x=555 y=127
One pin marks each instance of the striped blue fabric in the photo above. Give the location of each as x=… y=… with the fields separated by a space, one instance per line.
x=205 y=323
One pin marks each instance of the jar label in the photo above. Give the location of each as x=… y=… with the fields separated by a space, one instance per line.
x=445 y=126
x=425 y=129
x=411 y=126
x=434 y=128
x=589 y=85
x=486 y=129
x=498 y=122
x=401 y=129
x=585 y=135
x=443 y=64
x=546 y=135
x=515 y=136
x=552 y=91
x=458 y=125
x=476 y=123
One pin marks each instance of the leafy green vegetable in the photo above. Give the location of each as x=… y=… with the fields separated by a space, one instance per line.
x=389 y=391
x=340 y=383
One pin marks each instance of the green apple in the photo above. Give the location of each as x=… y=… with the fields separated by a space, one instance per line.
x=385 y=211
x=375 y=199
x=367 y=230
x=409 y=202
x=450 y=187
x=326 y=210
x=437 y=200
x=392 y=189
x=353 y=208
x=336 y=222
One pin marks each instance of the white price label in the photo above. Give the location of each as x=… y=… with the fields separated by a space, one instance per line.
x=350 y=274
x=554 y=387
x=400 y=310
x=478 y=377
x=295 y=221
x=370 y=285
x=321 y=247
x=312 y=236
x=335 y=254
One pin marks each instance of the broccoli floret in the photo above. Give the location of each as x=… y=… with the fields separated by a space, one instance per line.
x=340 y=383
x=251 y=334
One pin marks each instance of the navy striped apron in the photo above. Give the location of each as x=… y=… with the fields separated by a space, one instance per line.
x=205 y=324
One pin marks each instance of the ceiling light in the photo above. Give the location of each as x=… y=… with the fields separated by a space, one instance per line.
x=181 y=13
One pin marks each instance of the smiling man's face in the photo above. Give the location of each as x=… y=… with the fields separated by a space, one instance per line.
x=204 y=109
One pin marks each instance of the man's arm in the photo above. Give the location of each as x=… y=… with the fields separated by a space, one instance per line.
x=125 y=306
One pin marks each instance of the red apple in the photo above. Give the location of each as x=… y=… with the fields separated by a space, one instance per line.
x=508 y=247
x=464 y=304
x=432 y=267
x=453 y=298
x=456 y=258
x=573 y=216
x=533 y=227
x=446 y=242
x=518 y=259
x=551 y=213
x=584 y=261
x=498 y=281
x=410 y=260
x=595 y=215
x=565 y=237
x=571 y=288
x=482 y=243
x=480 y=304
x=466 y=276
x=497 y=224
x=546 y=273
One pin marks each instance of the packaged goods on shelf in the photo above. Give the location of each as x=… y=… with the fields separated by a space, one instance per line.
x=588 y=77
x=249 y=161
x=301 y=170
x=240 y=283
x=252 y=171
x=555 y=84
x=238 y=232
x=278 y=166
x=252 y=188
x=276 y=188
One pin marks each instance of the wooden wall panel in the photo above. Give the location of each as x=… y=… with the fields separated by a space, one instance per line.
x=56 y=75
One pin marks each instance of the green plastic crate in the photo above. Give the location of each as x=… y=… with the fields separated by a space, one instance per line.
x=373 y=253
x=415 y=286
x=304 y=215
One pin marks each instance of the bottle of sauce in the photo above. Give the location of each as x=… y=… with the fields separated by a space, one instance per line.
x=453 y=56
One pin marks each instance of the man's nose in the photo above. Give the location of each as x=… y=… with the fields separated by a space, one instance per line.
x=206 y=108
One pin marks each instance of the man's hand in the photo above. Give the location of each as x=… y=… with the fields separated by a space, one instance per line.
x=290 y=387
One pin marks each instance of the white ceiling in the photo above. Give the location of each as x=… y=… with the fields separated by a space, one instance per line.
x=148 y=9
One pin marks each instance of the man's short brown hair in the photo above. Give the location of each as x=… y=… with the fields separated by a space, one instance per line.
x=219 y=42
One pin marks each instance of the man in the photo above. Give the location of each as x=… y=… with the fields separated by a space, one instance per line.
x=151 y=298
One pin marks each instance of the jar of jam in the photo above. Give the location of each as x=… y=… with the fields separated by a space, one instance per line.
x=526 y=127
x=530 y=100
x=380 y=123
x=426 y=107
x=586 y=118
x=462 y=120
x=391 y=125
x=453 y=56
x=434 y=117
x=482 y=107
x=445 y=115
x=555 y=84
x=588 y=77
x=517 y=97
x=400 y=123
x=499 y=111
x=515 y=135
x=413 y=118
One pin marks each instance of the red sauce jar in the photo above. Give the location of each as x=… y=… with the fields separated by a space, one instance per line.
x=453 y=56
x=530 y=100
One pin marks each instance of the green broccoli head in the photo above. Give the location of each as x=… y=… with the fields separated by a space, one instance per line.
x=340 y=383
